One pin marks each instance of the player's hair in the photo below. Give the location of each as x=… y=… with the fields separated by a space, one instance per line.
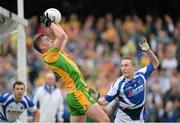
x=36 y=42
x=132 y=60
x=18 y=83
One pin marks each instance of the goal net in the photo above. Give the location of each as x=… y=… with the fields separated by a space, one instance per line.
x=9 y=23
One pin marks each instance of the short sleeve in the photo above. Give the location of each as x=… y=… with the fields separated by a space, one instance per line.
x=146 y=71
x=31 y=107
x=114 y=90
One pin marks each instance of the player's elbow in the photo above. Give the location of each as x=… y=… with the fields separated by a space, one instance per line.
x=156 y=64
x=64 y=37
x=36 y=116
x=101 y=101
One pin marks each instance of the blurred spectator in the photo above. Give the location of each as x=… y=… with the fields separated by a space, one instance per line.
x=169 y=25
x=169 y=62
x=49 y=100
x=33 y=25
x=177 y=107
x=170 y=114
x=159 y=108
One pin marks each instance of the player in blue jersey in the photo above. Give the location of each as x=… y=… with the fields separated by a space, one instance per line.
x=14 y=104
x=130 y=88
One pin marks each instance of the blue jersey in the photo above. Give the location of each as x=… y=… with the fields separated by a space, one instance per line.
x=11 y=110
x=131 y=94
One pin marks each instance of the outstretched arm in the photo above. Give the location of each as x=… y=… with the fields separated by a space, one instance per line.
x=61 y=37
x=145 y=47
x=153 y=59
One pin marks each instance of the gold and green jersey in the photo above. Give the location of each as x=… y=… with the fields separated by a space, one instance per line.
x=65 y=68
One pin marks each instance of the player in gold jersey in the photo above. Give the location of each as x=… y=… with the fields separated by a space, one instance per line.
x=79 y=98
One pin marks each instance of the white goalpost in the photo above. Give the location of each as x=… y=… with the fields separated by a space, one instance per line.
x=10 y=23
x=21 y=45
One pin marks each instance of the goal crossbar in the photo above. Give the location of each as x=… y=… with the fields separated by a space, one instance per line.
x=13 y=16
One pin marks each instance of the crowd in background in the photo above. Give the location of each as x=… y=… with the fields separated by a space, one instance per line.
x=97 y=45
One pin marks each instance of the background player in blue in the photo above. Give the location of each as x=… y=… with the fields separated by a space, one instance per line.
x=14 y=104
x=130 y=88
